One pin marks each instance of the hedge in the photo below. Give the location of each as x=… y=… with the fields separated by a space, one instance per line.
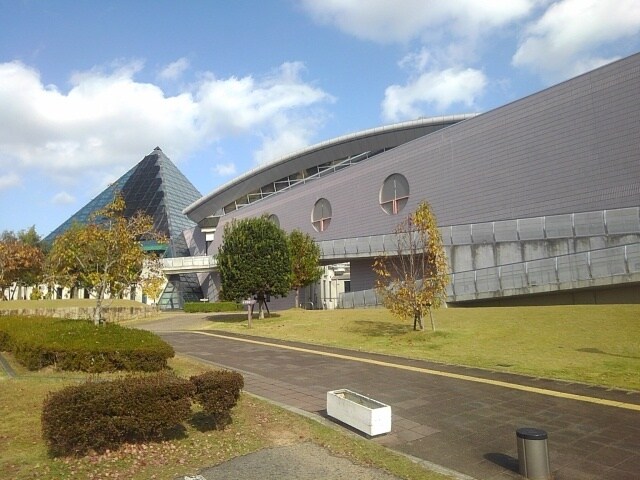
x=37 y=342
x=104 y=415
x=212 y=307
x=217 y=392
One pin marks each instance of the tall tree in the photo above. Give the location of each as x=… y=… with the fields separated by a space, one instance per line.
x=305 y=261
x=30 y=237
x=414 y=280
x=253 y=261
x=104 y=255
x=20 y=263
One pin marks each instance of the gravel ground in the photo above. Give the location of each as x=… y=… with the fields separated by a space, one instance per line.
x=302 y=461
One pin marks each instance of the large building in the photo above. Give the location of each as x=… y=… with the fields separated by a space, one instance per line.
x=538 y=201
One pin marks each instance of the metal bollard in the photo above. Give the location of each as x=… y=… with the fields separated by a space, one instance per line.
x=533 y=455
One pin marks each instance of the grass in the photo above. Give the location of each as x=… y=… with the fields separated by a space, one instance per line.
x=256 y=425
x=595 y=344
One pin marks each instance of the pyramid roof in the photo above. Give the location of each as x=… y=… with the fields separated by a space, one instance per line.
x=155 y=187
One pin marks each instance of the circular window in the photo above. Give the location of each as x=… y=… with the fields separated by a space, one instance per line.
x=394 y=193
x=274 y=219
x=321 y=215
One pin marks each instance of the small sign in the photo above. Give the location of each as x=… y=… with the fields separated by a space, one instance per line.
x=248 y=302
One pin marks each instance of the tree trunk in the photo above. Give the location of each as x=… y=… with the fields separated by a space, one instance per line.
x=433 y=323
x=97 y=312
x=249 y=314
x=297 y=297
x=417 y=321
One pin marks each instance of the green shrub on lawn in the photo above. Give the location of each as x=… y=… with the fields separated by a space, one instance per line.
x=104 y=415
x=217 y=392
x=38 y=342
x=213 y=307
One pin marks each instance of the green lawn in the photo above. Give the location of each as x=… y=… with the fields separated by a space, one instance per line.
x=256 y=425
x=597 y=344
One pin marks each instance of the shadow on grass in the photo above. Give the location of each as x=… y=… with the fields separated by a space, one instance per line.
x=236 y=317
x=178 y=432
x=205 y=422
x=369 y=328
x=598 y=351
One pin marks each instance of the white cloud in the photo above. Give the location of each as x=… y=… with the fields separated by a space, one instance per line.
x=225 y=169
x=10 y=180
x=174 y=70
x=403 y=20
x=108 y=120
x=63 y=198
x=273 y=106
x=435 y=89
x=447 y=38
x=565 y=40
x=284 y=141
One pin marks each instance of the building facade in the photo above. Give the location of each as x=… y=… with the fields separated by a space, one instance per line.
x=538 y=200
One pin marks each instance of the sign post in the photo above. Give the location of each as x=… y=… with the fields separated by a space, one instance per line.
x=249 y=302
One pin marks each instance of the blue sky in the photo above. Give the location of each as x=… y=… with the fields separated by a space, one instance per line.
x=88 y=88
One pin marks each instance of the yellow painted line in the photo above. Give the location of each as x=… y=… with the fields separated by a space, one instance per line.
x=428 y=371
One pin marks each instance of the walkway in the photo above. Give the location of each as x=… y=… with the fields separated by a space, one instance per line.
x=463 y=419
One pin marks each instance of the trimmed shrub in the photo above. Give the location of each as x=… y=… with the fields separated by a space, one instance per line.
x=104 y=415
x=213 y=307
x=80 y=345
x=217 y=392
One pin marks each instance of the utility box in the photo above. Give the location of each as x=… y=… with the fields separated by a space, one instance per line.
x=533 y=454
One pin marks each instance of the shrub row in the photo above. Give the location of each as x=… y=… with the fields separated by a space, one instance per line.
x=104 y=415
x=212 y=307
x=38 y=342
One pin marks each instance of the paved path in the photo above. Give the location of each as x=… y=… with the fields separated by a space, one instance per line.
x=463 y=419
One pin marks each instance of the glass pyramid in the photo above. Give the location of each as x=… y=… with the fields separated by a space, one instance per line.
x=154 y=186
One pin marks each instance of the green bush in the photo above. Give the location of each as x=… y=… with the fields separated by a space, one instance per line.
x=80 y=345
x=104 y=415
x=213 y=307
x=217 y=391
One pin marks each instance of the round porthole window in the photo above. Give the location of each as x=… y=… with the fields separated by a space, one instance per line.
x=274 y=219
x=394 y=194
x=321 y=215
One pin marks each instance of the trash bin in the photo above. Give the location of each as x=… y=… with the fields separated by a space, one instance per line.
x=533 y=456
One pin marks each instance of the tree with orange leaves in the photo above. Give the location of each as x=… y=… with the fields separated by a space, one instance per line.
x=414 y=278
x=105 y=255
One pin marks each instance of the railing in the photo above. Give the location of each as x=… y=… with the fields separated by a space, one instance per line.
x=189 y=264
x=553 y=273
x=573 y=225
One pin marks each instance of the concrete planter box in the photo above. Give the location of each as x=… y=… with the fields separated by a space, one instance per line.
x=360 y=412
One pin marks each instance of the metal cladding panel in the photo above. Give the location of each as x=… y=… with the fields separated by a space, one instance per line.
x=350 y=145
x=571 y=148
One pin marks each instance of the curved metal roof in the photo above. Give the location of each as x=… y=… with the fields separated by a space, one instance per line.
x=370 y=140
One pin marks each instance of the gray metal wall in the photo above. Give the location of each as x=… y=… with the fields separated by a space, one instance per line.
x=571 y=148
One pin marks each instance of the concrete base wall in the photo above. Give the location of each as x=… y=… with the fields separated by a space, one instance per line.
x=111 y=314
x=623 y=294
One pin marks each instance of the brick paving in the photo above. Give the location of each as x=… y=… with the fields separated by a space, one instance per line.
x=465 y=426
